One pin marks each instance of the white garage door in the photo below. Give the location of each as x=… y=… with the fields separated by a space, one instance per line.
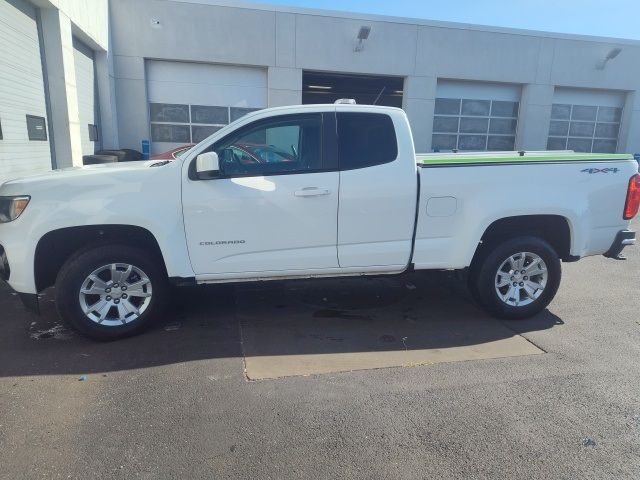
x=475 y=116
x=87 y=97
x=585 y=120
x=190 y=101
x=24 y=145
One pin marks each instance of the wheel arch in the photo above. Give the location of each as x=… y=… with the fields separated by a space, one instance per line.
x=554 y=229
x=57 y=246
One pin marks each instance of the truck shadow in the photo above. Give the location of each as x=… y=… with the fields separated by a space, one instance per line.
x=410 y=313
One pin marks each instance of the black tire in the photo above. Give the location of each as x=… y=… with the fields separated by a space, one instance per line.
x=119 y=154
x=132 y=155
x=98 y=159
x=482 y=276
x=75 y=271
x=124 y=154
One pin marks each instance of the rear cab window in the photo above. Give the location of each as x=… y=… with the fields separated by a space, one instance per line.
x=365 y=140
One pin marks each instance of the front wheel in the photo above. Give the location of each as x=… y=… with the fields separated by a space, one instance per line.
x=517 y=278
x=110 y=291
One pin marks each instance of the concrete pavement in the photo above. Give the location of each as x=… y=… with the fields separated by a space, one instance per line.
x=175 y=402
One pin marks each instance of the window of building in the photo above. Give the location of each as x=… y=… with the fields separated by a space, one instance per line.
x=472 y=124
x=36 y=128
x=584 y=128
x=93 y=133
x=365 y=140
x=179 y=123
x=273 y=146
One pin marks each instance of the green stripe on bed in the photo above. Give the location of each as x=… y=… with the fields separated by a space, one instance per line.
x=469 y=160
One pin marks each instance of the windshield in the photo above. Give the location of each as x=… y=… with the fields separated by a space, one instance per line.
x=180 y=153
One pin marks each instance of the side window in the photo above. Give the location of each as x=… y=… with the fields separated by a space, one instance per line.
x=273 y=146
x=365 y=140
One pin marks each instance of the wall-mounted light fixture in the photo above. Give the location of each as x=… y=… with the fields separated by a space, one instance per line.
x=363 y=34
x=613 y=53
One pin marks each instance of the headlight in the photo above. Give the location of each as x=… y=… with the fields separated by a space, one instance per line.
x=12 y=207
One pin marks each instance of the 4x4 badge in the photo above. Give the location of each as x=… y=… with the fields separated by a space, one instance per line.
x=600 y=170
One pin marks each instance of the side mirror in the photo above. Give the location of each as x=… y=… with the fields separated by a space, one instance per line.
x=207 y=165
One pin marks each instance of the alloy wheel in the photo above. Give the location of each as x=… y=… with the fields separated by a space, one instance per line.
x=521 y=279
x=115 y=294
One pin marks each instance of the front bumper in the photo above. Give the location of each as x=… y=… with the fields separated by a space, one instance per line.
x=624 y=238
x=29 y=300
x=5 y=269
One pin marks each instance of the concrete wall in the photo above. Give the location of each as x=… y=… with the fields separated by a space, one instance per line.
x=61 y=20
x=286 y=41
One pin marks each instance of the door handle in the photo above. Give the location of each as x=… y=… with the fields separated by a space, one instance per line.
x=311 y=192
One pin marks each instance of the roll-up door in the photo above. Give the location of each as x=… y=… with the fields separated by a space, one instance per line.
x=475 y=116
x=24 y=136
x=190 y=101
x=585 y=120
x=83 y=58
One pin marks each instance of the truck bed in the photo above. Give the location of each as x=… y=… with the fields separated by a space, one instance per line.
x=462 y=194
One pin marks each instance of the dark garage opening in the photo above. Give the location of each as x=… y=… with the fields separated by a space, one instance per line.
x=321 y=87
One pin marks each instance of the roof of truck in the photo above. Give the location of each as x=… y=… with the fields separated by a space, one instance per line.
x=326 y=107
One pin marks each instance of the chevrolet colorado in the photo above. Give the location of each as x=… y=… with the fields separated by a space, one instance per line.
x=345 y=195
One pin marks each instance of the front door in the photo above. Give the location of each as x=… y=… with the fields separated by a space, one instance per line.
x=274 y=208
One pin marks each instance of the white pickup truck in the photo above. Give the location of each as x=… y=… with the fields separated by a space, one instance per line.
x=309 y=191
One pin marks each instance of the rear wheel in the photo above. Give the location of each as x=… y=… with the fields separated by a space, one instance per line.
x=517 y=278
x=110 y=291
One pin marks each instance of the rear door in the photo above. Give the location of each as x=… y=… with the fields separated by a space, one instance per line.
x=274 y=209
x=378 y=189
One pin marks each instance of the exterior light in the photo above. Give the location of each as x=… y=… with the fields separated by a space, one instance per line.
x=363 y=34
x=12 y=207
x=613 y=53
x=319 y=87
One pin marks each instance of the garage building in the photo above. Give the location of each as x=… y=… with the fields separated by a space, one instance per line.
x=463 y=87
x=81 y=76
x=55 y=92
